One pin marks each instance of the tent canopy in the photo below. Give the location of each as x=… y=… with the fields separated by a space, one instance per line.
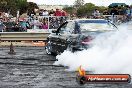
x=117 y=5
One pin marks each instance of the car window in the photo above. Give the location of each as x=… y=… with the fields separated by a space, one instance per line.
x=95 y=26
x=68 y=28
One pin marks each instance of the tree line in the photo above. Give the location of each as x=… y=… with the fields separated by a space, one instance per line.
x=81 y=9
x=12 y=6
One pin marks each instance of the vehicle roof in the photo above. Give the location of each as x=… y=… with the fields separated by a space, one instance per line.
x=84 y=19
x=88 y=19
x=91 y=20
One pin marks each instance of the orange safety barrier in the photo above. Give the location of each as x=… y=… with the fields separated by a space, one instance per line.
x=38 y=43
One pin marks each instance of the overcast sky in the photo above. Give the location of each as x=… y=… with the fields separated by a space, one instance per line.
x=70 y=2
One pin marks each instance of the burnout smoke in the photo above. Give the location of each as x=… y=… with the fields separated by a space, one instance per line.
x=111 y=53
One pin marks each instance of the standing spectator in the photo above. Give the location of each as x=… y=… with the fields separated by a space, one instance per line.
x=128 y=13
x=121 y=11
x=106 y=12
x=31 y=13
x=2 y=26
x=131 y=11
x=58 y=12
x=64 y=13
x=96 y=14
x=24 y=25
x=36 y=24
x=40 y=12
x=45 y=13
x=114 y=11
x=51 y=13
x=45 y=25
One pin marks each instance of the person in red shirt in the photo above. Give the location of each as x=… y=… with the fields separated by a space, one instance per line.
x=58 y=13
x=64 y=13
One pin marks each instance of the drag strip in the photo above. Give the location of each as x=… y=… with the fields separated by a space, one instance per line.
x=32 y=68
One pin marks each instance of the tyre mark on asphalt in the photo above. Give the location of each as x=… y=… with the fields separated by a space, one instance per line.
x=28 y=59
x=32 y=64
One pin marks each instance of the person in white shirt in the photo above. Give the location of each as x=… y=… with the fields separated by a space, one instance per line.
x=45 y=13
x=96 y=14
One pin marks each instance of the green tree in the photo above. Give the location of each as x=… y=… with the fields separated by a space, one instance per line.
x=88 y=8
x=69 y=10
x=78 y=3
x=102 y=8
x=13 y=6
x=21 y=6
x=3 y=4
x=31 y=7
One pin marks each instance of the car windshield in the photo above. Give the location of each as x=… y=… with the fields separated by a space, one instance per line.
x=95 y=25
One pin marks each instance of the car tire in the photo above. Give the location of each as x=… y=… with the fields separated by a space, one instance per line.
x=81 y=80
x=48 y=48
x=70 y=48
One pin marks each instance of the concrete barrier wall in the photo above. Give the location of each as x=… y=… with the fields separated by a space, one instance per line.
x=23 y=36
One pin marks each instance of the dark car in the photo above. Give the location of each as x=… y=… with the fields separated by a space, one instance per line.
x=76 y=35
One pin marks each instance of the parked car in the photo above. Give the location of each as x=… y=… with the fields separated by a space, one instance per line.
x=76 y=35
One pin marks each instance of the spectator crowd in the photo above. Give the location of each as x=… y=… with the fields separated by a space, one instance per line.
x=54 y=18
x=124 y=12
x=45 y=20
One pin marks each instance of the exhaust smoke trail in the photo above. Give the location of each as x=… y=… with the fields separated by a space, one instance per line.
x=111 y=53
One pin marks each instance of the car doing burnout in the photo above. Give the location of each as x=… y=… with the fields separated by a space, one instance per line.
x=76 y=35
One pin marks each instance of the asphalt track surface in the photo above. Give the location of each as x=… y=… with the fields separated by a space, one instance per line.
x=32 y=68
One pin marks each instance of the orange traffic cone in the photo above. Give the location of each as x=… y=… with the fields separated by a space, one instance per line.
x=12 y=52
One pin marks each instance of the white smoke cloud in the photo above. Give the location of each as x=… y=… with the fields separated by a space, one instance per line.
x=111 y=53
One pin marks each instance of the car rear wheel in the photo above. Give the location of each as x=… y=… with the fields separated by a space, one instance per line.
x=70 y=48
x=48 y=48
x=81 y=80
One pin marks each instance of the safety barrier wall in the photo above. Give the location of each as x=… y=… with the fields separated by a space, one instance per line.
x=23 y=36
